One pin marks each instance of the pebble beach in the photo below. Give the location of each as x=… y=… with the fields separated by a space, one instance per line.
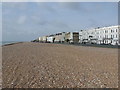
x=47 y=65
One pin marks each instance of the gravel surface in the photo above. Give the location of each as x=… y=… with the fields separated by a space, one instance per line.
x=0 y=67
x=44 y=65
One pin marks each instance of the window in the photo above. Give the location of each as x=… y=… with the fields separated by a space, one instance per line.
x=111 y=36
x=111 y=30
x=106 y=31
x=111 y=41
x=116 y=30
x=116 y=35
x=107 y=41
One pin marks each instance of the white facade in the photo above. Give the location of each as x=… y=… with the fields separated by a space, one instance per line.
x=42 y=39
x=105 y=35
x=59 y=37
x=50 y=39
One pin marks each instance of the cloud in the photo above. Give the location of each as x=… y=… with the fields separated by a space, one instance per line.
x=83 y=7
x=38 y=20
x=14 y=5
x=30 y=20
x=71 y=5
x=59 y=24
x=44 y=22
x=22 y=19
x=59 y=0
x=46 y=6
x=48 y=23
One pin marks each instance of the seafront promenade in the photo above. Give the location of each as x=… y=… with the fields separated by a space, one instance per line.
x=47 y=65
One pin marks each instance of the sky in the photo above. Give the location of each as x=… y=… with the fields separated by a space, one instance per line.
x=26 y=21
x=0 y=22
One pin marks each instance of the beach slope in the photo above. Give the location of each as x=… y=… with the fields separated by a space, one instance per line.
x=45 y=65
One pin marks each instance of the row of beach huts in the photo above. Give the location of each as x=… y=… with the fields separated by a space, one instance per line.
x=105 y=35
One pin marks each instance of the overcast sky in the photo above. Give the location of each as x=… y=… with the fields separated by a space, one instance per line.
x=28 y=20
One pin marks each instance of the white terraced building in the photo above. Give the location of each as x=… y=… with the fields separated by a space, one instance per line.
x=105 y=35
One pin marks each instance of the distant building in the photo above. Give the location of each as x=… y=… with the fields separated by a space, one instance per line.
x=105 y=35
x=42 y=39
x=60 y=37
x=50 y=39
x=72 y=37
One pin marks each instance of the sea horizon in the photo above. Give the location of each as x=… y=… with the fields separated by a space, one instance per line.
x=9 y=42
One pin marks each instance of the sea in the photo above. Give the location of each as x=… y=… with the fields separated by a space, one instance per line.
x=7 y=42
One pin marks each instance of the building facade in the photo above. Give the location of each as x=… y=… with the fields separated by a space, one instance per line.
x=72 y=37
x=50 y=39
x=60 y=37
x=105 y=35
x=42 y=39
